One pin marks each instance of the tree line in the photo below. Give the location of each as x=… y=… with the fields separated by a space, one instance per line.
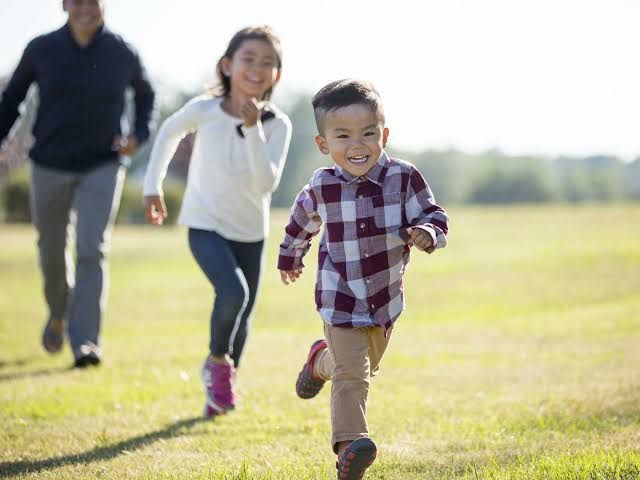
x=456 y=177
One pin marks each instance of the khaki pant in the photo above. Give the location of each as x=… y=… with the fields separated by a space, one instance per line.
x=353 y=356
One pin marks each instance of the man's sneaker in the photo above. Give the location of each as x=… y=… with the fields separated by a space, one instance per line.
x=308 y=385
x=53 y=335
x=86 y=355
x=218 y=387
x=356 y=458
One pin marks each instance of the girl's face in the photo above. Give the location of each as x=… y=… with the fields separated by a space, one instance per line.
x=253 y=68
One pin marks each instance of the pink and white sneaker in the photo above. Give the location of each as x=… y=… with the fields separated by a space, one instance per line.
x=219 y=389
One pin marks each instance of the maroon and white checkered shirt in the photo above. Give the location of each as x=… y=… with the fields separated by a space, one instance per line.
x=363 y=251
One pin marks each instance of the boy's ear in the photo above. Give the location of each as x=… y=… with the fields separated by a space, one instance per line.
x=385 y=136
x=321 y=142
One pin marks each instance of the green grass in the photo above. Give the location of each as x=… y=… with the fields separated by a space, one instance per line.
x=517 y=358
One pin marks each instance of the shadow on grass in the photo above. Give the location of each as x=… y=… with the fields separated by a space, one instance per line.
x=107 y=452
x=5 y=377
x=18 y=362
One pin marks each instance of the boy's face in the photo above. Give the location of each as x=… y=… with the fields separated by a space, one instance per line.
x=354 y=136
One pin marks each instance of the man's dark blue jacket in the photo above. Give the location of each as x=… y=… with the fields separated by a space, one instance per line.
x=82 y=97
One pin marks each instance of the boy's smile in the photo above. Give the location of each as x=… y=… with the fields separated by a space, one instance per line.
x=354 y=136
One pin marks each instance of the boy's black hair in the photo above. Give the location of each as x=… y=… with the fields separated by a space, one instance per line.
x=343 y=93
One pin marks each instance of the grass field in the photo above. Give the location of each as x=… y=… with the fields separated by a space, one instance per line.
x=518 y=357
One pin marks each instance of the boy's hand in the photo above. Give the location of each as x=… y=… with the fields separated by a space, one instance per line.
x=290 y=275
x=155 y=211
x=250 y=112
x=420 y=238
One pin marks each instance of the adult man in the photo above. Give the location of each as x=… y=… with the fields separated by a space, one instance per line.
x=82 y=71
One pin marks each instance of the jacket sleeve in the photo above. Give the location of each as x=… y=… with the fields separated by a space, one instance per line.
x=16 y=90
x=422 y=211
x=304 y=223
x=144 y=98
x=267 y=153
x=171 y=132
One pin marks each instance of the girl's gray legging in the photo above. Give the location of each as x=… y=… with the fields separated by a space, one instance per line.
x=234 y=269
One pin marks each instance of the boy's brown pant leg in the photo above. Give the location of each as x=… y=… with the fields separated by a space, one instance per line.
x=353 y=357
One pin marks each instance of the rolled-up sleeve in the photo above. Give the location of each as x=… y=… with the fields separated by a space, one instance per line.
x=303 y=224
x=423 y=212
x=16 y=91
x=144 y=98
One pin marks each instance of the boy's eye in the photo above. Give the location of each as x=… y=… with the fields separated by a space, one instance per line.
x=368 y=134
x=344 y=135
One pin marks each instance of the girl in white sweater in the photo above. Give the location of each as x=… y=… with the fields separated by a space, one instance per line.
x=238 y=156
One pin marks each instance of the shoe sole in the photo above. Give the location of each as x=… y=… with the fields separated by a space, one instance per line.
x=360 y=454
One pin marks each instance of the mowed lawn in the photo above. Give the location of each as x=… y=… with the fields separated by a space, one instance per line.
x=518 y=357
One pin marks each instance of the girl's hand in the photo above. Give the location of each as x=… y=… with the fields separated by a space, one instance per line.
x=250 y=112
x=290 y=275
x=420 y=238
x=155 y=211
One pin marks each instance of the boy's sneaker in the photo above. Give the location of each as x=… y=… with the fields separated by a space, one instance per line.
x=218 y=387
x=356 y=458
x=53 y=335
x=308 y=385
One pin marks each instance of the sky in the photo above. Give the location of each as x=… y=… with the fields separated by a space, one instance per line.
x=542 y=77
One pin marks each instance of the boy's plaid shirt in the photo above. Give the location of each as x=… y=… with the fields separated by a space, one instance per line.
x=363 y=252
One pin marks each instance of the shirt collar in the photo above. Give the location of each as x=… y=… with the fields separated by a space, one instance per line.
x=99 y=32
x=375 y=175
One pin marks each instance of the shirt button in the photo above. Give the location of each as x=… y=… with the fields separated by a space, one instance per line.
x=373 y=306
x=368 y=280
x=362 y=225
x=366 y=254
x=361 y=196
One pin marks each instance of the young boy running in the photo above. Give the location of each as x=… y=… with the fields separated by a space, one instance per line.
x=374 y=209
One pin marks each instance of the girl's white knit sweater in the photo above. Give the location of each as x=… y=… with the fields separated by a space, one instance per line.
x=230 y=178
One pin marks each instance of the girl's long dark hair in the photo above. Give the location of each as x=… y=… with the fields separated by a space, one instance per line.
x=262 y=32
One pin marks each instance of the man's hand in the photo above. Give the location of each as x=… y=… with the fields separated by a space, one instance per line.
x=420 y=238
x=290 y=275
x=250 y=112
x=155 y=211
x=125 y=145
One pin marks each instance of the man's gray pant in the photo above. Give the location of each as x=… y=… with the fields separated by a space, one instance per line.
x=87 y=203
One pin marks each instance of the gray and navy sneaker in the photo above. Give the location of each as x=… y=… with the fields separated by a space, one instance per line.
x=308 y=385
x=356 y=458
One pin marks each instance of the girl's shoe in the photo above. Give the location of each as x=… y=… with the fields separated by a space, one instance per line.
x=308 y=385
x=356 y=458
x=209 y=412
x=218 y=386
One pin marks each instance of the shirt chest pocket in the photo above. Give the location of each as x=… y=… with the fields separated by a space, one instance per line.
x=387 y=210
